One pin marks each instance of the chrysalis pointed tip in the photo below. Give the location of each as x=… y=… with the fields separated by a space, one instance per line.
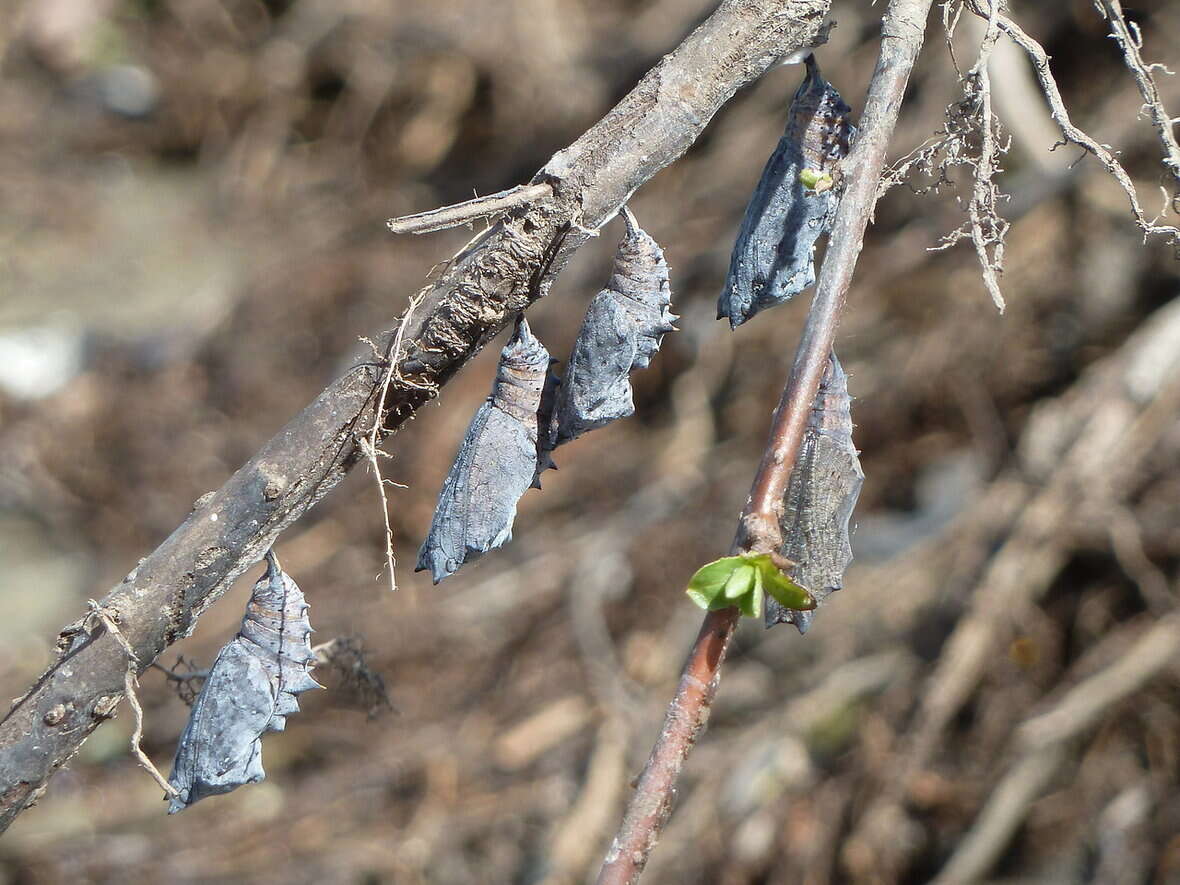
x=544 y=462
x=629 y=219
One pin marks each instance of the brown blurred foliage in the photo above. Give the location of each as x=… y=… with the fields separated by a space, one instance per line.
x=192 y=197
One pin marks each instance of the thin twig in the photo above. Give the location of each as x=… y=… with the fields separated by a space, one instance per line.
x=370 y=443
x=982 y=208
x=183 y=683
x=130 y=684
x=901 y=38
x=461 y=213
x=1130 y=44
x=985 y=227
x=1074 y=135
x=173 y=676
x=954 y=146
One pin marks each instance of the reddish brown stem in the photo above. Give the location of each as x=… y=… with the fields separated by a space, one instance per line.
x=758 y=529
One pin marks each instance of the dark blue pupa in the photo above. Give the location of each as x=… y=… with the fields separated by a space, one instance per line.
x=793 y=204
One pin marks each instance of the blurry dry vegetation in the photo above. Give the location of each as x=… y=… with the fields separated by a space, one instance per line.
x=192 y=197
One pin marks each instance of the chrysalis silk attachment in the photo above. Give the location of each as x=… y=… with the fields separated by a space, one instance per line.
x=773 y=257
x=495 y=465
x=622 y=330
x=251 y=689
x=820 y=499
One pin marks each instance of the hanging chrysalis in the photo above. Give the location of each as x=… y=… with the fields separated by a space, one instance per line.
x=793 y=204
x=495 y=465
x=820 y=498
x=251 y=689
x=621 y=331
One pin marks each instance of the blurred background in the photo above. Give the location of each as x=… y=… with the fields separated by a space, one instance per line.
x=192 y=206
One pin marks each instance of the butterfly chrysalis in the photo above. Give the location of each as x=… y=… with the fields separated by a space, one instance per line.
x=251 y=689
x=495 y=465
x=820 y=498
x=793 y=204
x=621 y=331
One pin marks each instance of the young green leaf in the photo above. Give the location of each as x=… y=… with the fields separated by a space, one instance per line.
x=785 y=591
x=750 y=605
x=710 y=580
x=742 y=582
x=816 y=180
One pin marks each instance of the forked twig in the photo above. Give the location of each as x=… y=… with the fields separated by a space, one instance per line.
x=982 y=208
x=1072 y=134
x=369 y=444
x=985 y=227
x=954 y=146
x=649 y=807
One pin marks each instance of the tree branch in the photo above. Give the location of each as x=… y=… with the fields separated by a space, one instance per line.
x=498 y=274
x=758 y=530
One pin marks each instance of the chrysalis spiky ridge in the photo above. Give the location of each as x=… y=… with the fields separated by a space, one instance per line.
x=820 y=499
x=251 y=689
x=773 y=257
x=622 y=330
x=495 y=465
